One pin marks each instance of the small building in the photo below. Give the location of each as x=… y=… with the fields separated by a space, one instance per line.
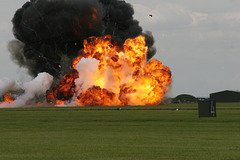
x=207 y=108
x=225 y=96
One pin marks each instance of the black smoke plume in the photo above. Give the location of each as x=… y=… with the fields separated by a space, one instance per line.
x=50 y=33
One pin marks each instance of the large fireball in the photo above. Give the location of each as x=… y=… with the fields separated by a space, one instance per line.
x=106 y=75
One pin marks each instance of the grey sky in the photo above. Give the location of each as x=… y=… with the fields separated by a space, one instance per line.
x=198 y=40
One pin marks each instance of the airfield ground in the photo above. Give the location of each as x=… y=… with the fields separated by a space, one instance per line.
x=108 y=133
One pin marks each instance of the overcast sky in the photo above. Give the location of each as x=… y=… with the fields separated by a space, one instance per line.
x=198 y=40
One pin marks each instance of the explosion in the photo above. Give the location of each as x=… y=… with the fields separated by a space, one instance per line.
x=105 y=75
x=83 y=53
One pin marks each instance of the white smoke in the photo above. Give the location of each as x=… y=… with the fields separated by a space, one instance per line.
x=7 y=85
x=38 y=86
x=87 y=69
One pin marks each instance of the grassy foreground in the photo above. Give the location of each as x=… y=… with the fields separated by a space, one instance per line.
x=54 y=134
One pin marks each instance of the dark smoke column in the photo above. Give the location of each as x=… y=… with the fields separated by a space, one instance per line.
x=50 y=33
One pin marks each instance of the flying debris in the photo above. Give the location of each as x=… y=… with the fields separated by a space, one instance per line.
x=150 y=15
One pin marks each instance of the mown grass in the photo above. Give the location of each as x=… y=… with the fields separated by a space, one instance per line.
x=184 y=106
x=62 y=134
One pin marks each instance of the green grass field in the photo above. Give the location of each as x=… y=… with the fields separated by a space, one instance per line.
x=82 y=134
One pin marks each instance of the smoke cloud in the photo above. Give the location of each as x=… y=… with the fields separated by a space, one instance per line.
x=86 y=68
x=31 y=90
x=50 y=33
x=7 y=85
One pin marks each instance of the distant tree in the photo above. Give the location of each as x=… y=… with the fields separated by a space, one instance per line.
x=184 y=98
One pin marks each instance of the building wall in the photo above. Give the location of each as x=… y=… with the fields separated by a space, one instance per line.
x=225 y=96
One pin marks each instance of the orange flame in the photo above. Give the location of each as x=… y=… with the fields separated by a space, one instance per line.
x=124 y=77
x=7 y=99
x=80 y=22
x=94 y=14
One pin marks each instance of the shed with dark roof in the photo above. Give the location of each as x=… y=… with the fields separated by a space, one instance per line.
x=225 y=96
